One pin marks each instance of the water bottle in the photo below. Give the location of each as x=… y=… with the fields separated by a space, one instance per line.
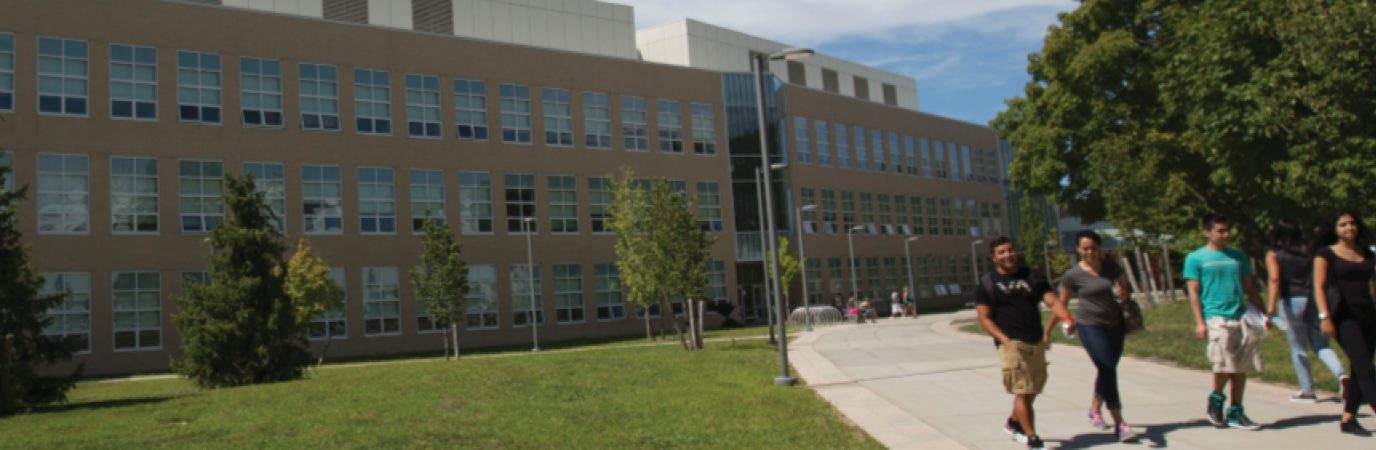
x=1065 y=328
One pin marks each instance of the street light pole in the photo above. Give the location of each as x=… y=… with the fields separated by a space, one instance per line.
x=974 y=261
x=764 y=250
x=912 y=281
x=530 y=277
x=850 y=240
x=758 y=62
x=802 y=255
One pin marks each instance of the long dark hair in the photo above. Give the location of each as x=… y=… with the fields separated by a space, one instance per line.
x=1327 y=233
x=1288 y=237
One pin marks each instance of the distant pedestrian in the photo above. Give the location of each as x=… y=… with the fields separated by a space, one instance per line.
x=1008 y=301
x=1289 y=273
x=867 y=312
x=1342 y=290
x=853 y=310
x=1099 y=322
x=895 y=306
x=909 y=306
x=1220 y=284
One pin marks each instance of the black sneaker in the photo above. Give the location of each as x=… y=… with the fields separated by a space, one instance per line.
x=1353 y=428
x=1014 y=429
x=1238 y=419
x=1035 y=443
x=1215 y=410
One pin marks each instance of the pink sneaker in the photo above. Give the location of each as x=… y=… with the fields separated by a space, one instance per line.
x=1125 y=433
x=1096 y=420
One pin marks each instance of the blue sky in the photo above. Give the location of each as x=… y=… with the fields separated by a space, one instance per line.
x=967 y=56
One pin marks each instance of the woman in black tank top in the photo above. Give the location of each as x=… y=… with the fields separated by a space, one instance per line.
x=1342 y=291
x=1289 y=272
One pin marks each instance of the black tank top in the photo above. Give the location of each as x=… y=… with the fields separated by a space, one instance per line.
x=1295 y=274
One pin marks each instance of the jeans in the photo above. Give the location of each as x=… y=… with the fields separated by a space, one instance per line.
x=1302 y=338
x=1105 y=348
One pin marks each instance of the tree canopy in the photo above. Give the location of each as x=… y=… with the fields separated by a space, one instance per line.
x=1153 y=113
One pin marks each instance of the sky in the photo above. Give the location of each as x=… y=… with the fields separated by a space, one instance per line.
x=967 y=56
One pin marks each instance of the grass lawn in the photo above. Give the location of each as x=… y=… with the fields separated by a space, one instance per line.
x=632 y=397
x=1170 y=337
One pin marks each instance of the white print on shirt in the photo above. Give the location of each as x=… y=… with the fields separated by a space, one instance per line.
x=1016 y=285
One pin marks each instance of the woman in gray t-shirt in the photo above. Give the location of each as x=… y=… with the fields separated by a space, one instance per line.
x=1099 y=321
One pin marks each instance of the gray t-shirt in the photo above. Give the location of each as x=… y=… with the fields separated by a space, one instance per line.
x=1098 y=305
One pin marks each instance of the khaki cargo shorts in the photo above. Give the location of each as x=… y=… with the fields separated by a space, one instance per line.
x=1024 y=367
x=1233 y=347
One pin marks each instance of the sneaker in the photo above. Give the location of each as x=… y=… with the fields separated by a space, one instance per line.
x=1238 y=419
x=1014 y=429
x=1354 y=428
x=1125 y=433
x=1096 y=420
x=1215 y=410
x=1304 y=397
x=1035 y=443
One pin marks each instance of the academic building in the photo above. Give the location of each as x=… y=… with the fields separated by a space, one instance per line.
x=358 y=116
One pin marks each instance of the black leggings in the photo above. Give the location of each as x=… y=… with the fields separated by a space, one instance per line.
x=1358 y=339
x=1105 y=348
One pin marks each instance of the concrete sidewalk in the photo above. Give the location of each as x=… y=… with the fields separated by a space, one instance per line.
x=921 y=384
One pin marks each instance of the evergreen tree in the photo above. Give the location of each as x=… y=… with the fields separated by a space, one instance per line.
x=441 y=281
x=244 y=328
x=23 y=315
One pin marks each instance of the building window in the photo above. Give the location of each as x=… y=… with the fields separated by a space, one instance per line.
x=480 y=306
x=71 y=319
x=515 y=113
x=322 y=200
x=835 y=275
x=842 y=147
x=716 y=293
x=633 y=124
x=260 y=86
x=847 y=210
x=998 y=219
x=134 y=195
x=924 y=282
x=965 y=164
x=522 y=305
x=377 y=201
x=427 y=198
x=953 y=160
x=475 y=202
x=202 y=190
x=960 y=218
x=979 y=167
x=670 y=122
x=470 y=109
x=933 y=218
x=862 y=88
x=809 y=196
x=895 y=157
x=890 y=275
x=823 y=144
x=972 y=211
x=138 y=311
x=947 y=223
x=194 y=277
x=829 y=210
x=597 y=120
x=6 y=72
x=62 y=76
x=885 y=214
x=333 y=323
x=704 y=130
x=881 y=163
x=373 y=101
x=7 y=160
x=873 y=286
x=801 y=139
x=992 y=160
x=381 y=301
x=422 y=106
x=984 y=219
x=319 y=97
x=867 y=209
x=919 y=224
x=862 y=155
x=926 y=158
x=563 y=204
x=558 y=111
x=133 y=82
x=63 y=194
x=600 y=204
x=520 y=203
x=910 y=155
x=941 y=172
x=270 y=179
x=709 y=207
x=900 y=214
x=568 y=293
x=608 y=286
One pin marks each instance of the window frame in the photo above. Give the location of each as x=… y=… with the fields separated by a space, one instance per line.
x=323 y=217
x=597 y=118
x=862 y=154
x=482 y=292
x=568 y=294
x=133 y=81
x=532 y=205
x=470 y=102
x=704 y=121
x=265 y=74
x=708 y=194
x=669 y=125
x=63 y=194
x=156 y=214
x=423 y=99
x=381 y=316
x=138 y=329
x=201 y=179
x=279 y=196
x=218 y=89
x=66 y=306
x=843 y=160
x=634 y=124
x=558 y=116
x=373 y=87
x=563 y=197
x=517 y=118
x=431 y=183
x=9 y=49
x=62 y=77
x=327 y=318
x=823 y=137
x=599 y=211
x=377 y=199
x=471 y=225
x=318 y=97
x=606 y=283
x=802 y=142
x=521 y=306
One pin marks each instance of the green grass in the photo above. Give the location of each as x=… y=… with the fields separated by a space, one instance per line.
x=632 y=397
x=1169 y=337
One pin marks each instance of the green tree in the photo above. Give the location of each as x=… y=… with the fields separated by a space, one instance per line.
x=244 y=328
x=441 y=280
x=1032 y=236
x=789 y=268
x=309 y=285
x=23 y=315
x=1153 y=113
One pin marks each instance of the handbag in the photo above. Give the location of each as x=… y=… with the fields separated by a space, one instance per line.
x=1132 y=317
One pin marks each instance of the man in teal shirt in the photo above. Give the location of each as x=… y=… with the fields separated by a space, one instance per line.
x=1218 y=278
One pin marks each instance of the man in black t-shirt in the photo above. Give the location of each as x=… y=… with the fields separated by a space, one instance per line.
x=1007 y=302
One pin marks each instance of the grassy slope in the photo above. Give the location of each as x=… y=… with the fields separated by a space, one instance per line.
x=640 y=397
x=1170 y=337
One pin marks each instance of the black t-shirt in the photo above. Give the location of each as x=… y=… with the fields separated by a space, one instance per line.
x=1015 y=303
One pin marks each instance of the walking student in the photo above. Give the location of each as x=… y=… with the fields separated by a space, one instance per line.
x=1342 y=292
x=895 y=306
x=1218 y=278
x=908 y=306
x=1099 y=321
x=1008 y=303
x=1289 y=271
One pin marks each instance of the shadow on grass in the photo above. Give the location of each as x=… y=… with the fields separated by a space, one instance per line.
x=104 y=404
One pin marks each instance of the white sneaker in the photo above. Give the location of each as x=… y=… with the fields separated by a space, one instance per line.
x=1302 y=397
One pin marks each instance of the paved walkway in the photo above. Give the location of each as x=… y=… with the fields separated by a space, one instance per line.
x=921 y=384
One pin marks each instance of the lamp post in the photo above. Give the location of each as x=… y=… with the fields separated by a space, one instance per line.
x=802 y=256
x=974 y=262
x=850 y=241
x=1046 y=253
x=530 y=277
x=758 y=63
x=912 y=281
x=764 y=250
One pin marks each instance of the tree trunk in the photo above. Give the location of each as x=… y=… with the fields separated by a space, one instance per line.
x=691 y=309
x=326 y=350
x=667 y=313
x=445 y=337
x=649 y=337
x=1151 y=278
x=701 y=328
x=454 y=332
x=1132 y=278
x=1170 y=274
x=1144 y=275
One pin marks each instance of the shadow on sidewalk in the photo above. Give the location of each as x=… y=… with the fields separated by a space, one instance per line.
x=1152 y=435
x=1304 y=421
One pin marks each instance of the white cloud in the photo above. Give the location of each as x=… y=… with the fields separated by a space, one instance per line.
x=812 y=22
